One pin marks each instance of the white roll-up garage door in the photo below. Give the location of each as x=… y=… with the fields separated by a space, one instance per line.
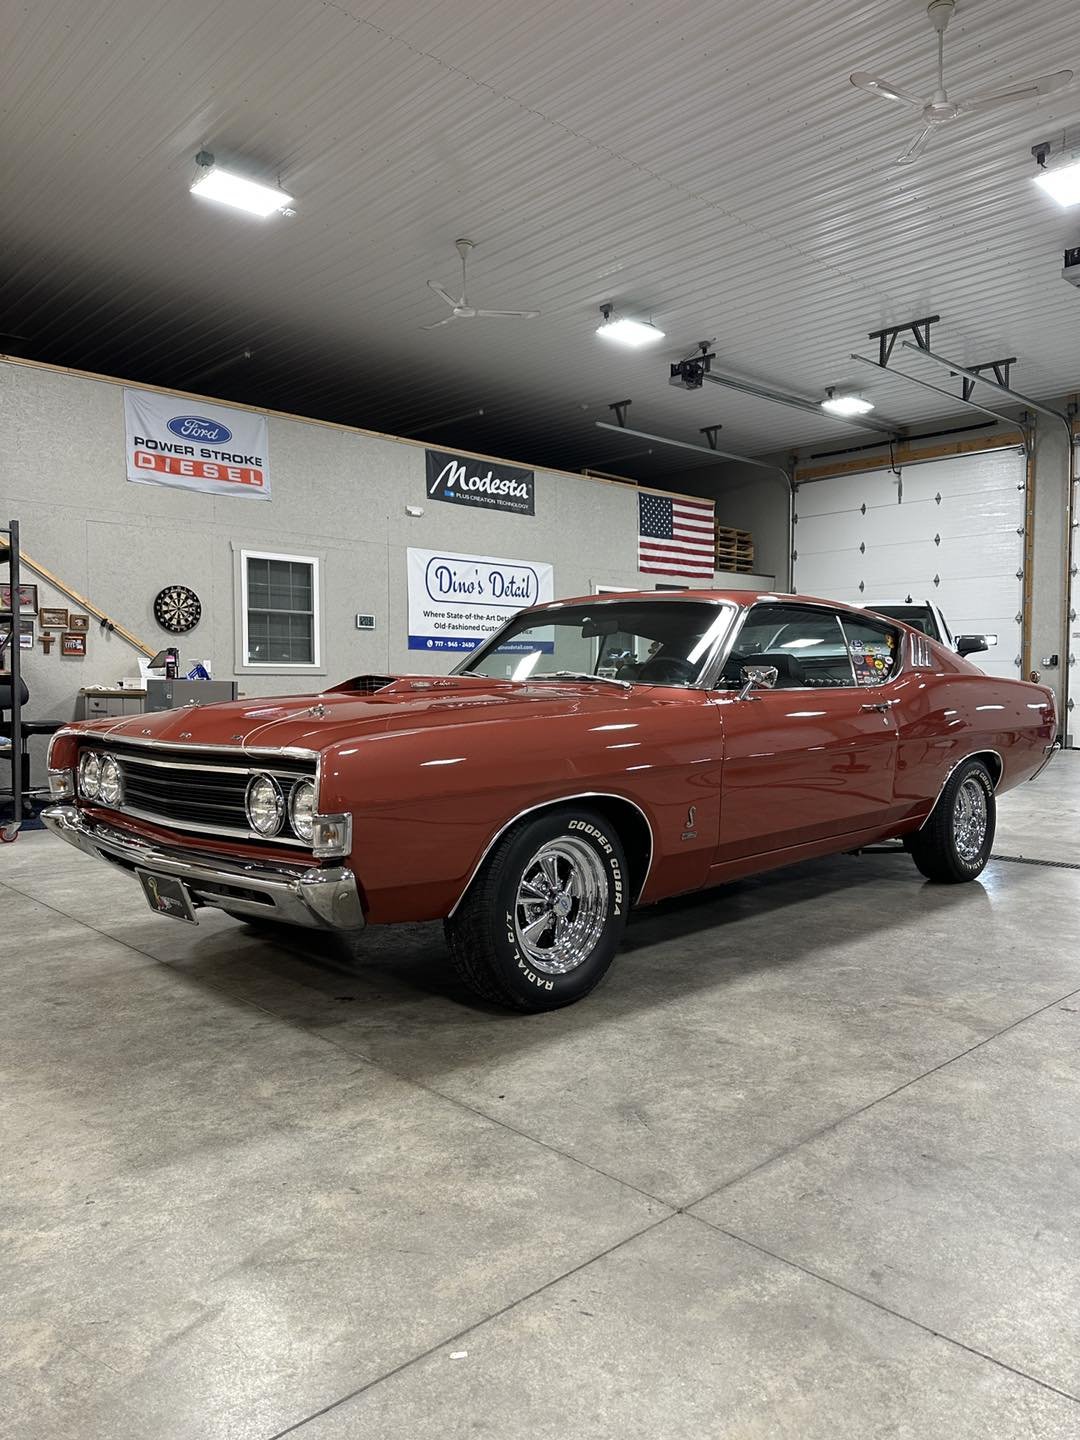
x=1072 y=660
x=949 y=530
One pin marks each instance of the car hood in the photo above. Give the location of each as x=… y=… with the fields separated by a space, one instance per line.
x=317 y=722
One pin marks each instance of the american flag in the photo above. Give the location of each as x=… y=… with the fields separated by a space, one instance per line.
x=676 y=536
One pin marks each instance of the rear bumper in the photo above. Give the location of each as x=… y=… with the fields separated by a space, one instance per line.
x=321 y=899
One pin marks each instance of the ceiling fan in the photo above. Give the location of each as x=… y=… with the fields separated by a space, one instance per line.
x=461 y=309
x=939 y=110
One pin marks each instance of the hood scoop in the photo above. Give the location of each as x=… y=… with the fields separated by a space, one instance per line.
x=365 y=684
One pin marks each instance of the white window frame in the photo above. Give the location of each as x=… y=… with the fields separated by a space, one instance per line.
x=308 y=667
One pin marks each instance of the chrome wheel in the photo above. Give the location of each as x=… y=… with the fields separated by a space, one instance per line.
x=561 y=906
x=969 y=820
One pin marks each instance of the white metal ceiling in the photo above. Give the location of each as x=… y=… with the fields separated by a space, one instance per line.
x=705 y=162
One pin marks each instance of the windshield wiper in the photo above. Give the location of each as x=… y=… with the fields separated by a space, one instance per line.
x=581 y=675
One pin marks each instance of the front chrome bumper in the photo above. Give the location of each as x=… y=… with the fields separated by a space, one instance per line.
x=319 y=899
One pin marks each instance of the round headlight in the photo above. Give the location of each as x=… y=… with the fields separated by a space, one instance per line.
x=90 y=774
x=302 y=809
x=111 y=782
x=265 y=804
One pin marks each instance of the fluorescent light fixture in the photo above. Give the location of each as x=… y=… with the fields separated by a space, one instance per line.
x=229 y=188
x=1061 y=183
x=846 y=404
x=623 y=331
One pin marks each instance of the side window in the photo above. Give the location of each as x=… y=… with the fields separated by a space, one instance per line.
x=874 y=649
x=806 y=647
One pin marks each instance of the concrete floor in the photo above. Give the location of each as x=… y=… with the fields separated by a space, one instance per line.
x=807 y=1165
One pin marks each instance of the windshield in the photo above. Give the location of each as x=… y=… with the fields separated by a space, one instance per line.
x=647 y=642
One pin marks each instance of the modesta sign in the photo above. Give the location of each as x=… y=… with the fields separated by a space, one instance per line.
x=455 y=601
x=461 y=480
x=195 y=446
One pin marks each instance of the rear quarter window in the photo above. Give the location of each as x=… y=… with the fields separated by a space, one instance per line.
x=874 y=648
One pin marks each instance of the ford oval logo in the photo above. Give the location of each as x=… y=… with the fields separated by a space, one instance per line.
x=197 y=427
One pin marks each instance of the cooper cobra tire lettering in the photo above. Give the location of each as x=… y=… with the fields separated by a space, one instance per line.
x=592 y=830
x=934 y=848
x=483 y=933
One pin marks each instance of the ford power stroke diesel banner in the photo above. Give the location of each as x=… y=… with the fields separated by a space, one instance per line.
x=195 y=446
x=455 y=601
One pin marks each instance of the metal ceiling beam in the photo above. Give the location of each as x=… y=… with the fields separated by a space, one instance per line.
x=976 y=378
x=697 y=449
x=887 y=338
x=796 y=402
x=937 y=389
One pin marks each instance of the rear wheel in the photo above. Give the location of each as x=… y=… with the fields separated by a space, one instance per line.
x=543 y=917
x=955 y=842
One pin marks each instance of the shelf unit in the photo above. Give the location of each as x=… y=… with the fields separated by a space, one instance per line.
x=10 y=647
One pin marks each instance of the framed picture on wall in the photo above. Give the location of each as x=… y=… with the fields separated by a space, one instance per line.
x=52 y=618
x=28 y=597
x=78 y=622
x=73 y=645
x=26 y=634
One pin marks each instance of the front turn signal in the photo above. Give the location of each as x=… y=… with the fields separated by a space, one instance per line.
x=331 y=836
x=61 y=784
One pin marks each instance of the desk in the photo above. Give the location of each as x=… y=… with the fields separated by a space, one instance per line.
x=97 y=700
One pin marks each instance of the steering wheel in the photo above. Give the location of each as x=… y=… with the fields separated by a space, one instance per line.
x=666 y=670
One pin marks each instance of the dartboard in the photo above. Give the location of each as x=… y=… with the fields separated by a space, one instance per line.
x=177 y=609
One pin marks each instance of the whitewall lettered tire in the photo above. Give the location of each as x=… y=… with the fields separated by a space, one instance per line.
x=955 y=842
x=544 y=915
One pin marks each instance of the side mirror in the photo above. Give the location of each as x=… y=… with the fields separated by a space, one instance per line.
x=972 y=644
x=762 y=677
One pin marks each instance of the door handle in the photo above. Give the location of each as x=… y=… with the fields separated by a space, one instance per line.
x=881 y=707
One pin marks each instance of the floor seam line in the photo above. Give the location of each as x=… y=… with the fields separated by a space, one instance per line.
x=469 y=1329
x=885 y=1309
x=451 y=1100
x=353 y=1055
x=512 y=1129
x=880 y=1099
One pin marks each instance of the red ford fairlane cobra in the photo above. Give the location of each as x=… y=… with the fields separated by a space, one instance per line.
x=593 y=755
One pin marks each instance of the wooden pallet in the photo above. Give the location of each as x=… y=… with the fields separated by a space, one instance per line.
x=734 y=550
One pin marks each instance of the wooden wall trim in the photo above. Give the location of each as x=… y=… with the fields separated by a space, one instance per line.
x=332 y=425
x=910 y=455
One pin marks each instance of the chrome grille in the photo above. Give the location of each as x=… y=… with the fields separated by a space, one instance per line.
x=199 y=791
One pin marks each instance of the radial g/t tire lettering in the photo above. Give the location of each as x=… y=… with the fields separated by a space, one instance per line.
x=955 y=842
x=544 y=915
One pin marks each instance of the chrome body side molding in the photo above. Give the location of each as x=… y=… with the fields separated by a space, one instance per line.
x=293 y=752
x=550 y=805
x=971 y=755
